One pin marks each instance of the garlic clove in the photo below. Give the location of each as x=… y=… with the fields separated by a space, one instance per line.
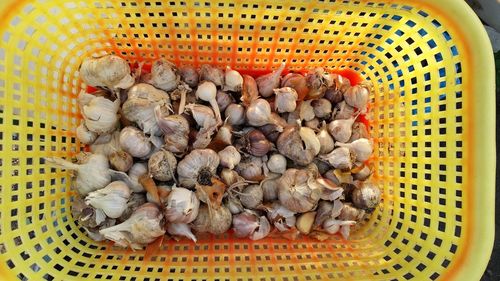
x=298 y=83
x=267 y=83
x=181 y=206
x=309 y=139
x=176 y=131
x=256 y=143
x=181 y=229
x=285 y=100
x=282 y=218
x=234 y=205
x=121 y=160
x=189 y=75
x=313 y=124
x=100 y=115
x=235 y=114
x=263 y=229
x=249 y=91
x=112 y=199
x=223 y=100
x=333 y=226
x=233 y=81
x=106 y=144
x=245 y=223
x=251 y=196
x=362 y=148
x=305 y=222
x=212 y=74
x=133 y=141
x=250 y=168
x=258 y=113
x=230 y=177
x=367 y=196
x=306 y=111
x=340 y=158
x=341 y=129
x=357 y=96
x=84 y=135
x=277 y=163
x=359 y=131
x=222 y=139
x=134 y=202
x=326 y=141
x=229 y=157
x=322 y=108
x=270 y=187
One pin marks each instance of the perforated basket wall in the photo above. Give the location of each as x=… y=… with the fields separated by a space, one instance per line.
x=433 y=112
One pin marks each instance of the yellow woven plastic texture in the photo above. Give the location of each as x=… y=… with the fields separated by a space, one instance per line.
x=421 y=127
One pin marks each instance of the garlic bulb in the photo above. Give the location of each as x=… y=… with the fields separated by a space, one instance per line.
x=270 y=187
x=367 y=196
x=215 y=221
x=92 y=175
x=189 y=75
x=313 y=124
x=137 y=170
x=140 y=107
x=84 y=135
x=306 y=111
x=233 y=81
x=325 y=139
x=212 y=74
x=121 y=161
x=106 y=144
x=133 y=141
x=340 y=158
x=164 y=75
x=298 y=144
x=206 y=92
x=267 y=83
x=256 y=143
x=100 y=115
x=143 y=227
x=277 y=163
x=286 y=99
x=318 y=81
x=298 y=82
x=250 y=168
x=281 y=217
x=322 y=108
x=198 y=160
x=229 y=157
x=249 y=91
x=259 y=113
x=223 y=100
x=234 y=205
x=251 y=196
x=357 y=96
x=343 y=111
x=181 y=206
x=362 y=148
x=176 y=132
x=108 y=71
x=295 y=191
x=235 y=114
x=181 y=229
x=162 y=165
x=203 y=115
x=249 y=224
x=341 y=129
x=112 y=199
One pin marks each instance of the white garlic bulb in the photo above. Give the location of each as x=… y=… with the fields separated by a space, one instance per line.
x=306 y=111
x=143 y=227
x=133 y=141
x=176 y=132
x=215 y=221
x=250 y=168
x=164 y=75
x=181 y=229
x=259 y=114
x=101 y=115
x=140 y=107
x=203 y=115
x=108 y=71
x=322 y=108
x=340 y=158
x=229 y=157
x=121 y=161
x=277 y=163
x=362 y=148
x=112 y=199
x=233 y=80
x=295 y=191
x=341 y=129
x=326 y=141
x=189 y=75
x=92 y=175
x=357 y=96
x=251 y=196
x=207 y=91
x=281 y=217
x=212 y=74
x=181 y=206
x=286 y=99
x=162 y=165
x=310 y=140
x=84 y=135
x=196 y=161
x=267 y=83
x=235 y=114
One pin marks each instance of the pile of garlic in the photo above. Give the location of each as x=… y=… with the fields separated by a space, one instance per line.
x=185 y=151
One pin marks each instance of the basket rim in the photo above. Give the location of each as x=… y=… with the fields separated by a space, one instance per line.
x=470 y=262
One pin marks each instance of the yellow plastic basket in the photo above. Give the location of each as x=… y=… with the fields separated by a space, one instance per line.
x=433 y=111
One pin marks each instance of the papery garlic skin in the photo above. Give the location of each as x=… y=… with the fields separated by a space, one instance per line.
x=108 y=71
x=140 y=107
x=295 y=191
x=215 y=221
x=181 y=206
x=340 y=158
x=286 y=99
x=212 y=74
x=133 y=141
x=181 y=229
x=281 y=217
x=162 y=165
x=189 y=75
x=229 y=157
x=164 y=75
x=112 y=199
x=142 y=228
